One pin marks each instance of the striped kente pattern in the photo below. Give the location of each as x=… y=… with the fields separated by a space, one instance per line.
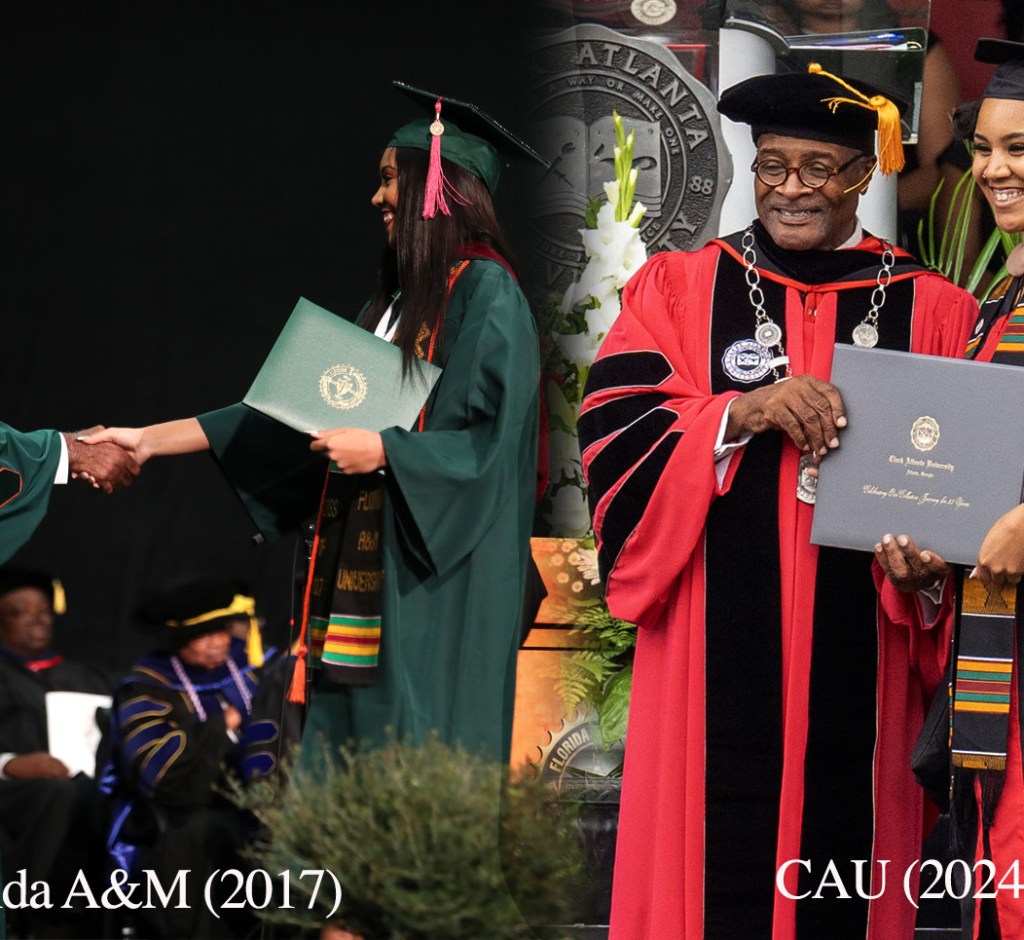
x=983 y=685
x=1012 y=340
x=352 y=641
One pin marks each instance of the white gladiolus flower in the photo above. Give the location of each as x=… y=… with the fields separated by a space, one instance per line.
x=577 y=347
x=600 y=320
x=637 y=214
x=614 y=251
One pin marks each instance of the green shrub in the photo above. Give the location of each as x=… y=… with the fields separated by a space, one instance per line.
x=419 y=845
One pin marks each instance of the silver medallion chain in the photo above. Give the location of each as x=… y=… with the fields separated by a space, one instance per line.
x=767 y=332
x=865 y=333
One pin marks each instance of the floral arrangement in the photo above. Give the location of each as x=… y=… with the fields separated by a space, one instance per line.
x=578 y=321
x=598 y=676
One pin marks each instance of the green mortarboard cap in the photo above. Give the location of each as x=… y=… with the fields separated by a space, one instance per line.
x=468 y=137
x=1008 y=79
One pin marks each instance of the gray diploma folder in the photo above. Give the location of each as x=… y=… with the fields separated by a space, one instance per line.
x=934 y=449
x=325 y=372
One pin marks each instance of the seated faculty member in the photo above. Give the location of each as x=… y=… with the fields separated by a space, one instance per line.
x=51 y=817
x=189 y=716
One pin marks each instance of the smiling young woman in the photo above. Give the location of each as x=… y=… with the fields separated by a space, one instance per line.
x=985 y=745
x=998 y=164
x=413 y=605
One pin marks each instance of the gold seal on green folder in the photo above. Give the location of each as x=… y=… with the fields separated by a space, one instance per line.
x=325 y=372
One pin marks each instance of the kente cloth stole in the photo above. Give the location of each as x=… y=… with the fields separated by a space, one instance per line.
x=1004 y=313
x=984 y=672
x=1011 y=344
x=345 y=596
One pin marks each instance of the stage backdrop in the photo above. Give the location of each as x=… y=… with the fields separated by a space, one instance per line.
x=175 y=176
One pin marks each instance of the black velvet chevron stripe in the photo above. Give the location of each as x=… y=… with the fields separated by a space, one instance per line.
x=624 y=450
x=627 y=508
x=640 y=369
x=612 y=415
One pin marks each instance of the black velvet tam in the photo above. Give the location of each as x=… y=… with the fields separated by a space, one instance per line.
x=179 y=612
x=1008 y=79
x=796 y=105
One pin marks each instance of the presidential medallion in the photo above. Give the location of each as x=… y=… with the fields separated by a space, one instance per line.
x=806 y=485
x=746 y=361
x=768 y=334
x=865 y=336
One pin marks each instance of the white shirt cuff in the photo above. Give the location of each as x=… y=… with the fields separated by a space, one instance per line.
x=4 y=758
x=723 y=452
x=62 y=468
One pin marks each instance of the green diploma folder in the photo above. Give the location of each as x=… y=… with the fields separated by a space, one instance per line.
x=325 y=372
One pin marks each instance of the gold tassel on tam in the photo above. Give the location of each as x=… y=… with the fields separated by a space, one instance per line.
x=254 y=643
x=890 y=135
x=60 y=603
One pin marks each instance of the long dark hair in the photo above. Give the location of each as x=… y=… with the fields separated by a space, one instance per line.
x=426 y=249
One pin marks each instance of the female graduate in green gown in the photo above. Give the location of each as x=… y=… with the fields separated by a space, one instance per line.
x=415 y=602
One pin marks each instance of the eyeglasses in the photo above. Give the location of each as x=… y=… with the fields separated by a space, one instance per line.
x=814 y=175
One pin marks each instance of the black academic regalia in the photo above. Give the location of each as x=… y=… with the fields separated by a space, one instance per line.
x=52 y=828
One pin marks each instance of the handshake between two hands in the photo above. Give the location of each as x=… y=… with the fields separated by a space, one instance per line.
x=110 y=458
x=107 y=465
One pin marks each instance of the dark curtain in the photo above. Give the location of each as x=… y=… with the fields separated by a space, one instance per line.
x=175 y=175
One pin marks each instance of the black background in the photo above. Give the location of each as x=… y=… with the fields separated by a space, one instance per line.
x=175 y=176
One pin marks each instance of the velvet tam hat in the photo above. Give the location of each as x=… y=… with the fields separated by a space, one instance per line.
x=182 y=611
x=816 y=105
x=464 y=134
x=13 y=578
x=1008 y=79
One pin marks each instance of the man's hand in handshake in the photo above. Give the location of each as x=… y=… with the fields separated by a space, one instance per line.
x=106 y=466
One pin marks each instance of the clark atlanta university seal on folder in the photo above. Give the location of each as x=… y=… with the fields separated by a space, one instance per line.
x=934 y=450
x=325 y=372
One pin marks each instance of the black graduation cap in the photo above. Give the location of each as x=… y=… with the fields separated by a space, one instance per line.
x=1008 y=79
x=13 y=578
x=466 y=135
x=816 y=105
x=181 y=611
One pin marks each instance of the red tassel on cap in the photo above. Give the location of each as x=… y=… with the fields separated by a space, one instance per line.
x=433 y=195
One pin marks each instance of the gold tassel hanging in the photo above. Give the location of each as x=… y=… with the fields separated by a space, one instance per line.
x=890 y=135
x=60 y=601
x=254 y=643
